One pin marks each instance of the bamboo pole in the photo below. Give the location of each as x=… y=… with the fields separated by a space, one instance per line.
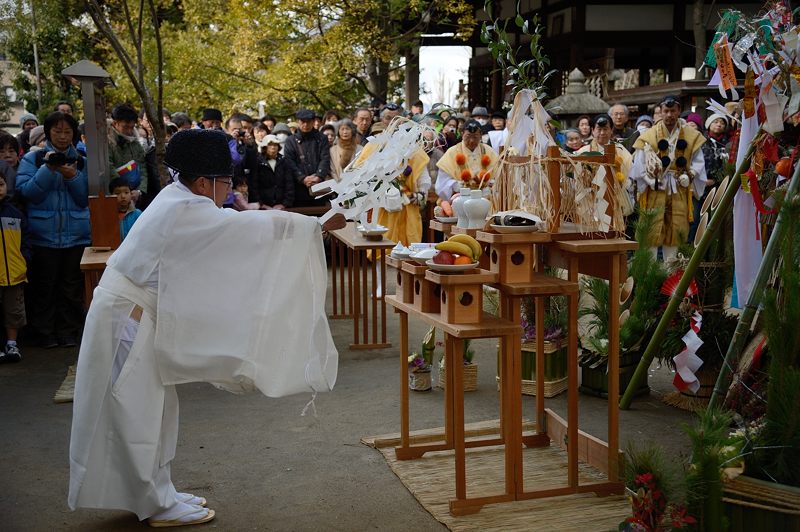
x=771 y=254
x=700 y=250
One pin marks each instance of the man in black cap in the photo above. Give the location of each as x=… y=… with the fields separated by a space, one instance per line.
x=172 y=307
x=212 y=118
x=309 y=150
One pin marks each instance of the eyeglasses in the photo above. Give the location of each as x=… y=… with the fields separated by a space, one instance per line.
x=227 y=182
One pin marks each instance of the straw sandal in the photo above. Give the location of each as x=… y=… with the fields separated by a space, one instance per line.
x=163 y=523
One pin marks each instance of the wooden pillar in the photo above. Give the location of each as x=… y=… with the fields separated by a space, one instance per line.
x=412 y=76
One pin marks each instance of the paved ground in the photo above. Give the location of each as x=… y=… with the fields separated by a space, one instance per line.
x=259 y=463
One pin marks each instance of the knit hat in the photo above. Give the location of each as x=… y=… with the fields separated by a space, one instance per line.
x=199 y=152
x=269 y=139
x=644 y=118
x=36 y=135
x=27 y=117
x=479 y=111
x=211 y=114
x=696 y=119
x=713 y=117
x=280 y=127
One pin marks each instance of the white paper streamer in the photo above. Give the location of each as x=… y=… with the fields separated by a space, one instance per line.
x=367 y=184
x=687 y=362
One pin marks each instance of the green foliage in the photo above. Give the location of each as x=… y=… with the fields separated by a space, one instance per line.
x=598 y=311
x=529 y=73
x=62 y=36
x=775 y=456
x=648 y=275
x=711 y=446
x=667 y=473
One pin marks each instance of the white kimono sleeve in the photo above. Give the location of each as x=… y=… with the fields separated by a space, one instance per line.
x=446 y=185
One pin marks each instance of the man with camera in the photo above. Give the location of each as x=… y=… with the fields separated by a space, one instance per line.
x=246 y=168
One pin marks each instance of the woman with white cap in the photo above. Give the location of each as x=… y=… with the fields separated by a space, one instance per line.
x=274 y=183
x=715 y=153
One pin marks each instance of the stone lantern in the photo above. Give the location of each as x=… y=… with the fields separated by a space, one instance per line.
x=576 y=101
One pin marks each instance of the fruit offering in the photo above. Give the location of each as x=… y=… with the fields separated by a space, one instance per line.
x=458 y=249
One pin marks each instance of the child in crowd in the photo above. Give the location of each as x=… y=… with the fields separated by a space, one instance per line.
x=9 y=154
x=128 y=213
x=16 y=251
x=240 y=196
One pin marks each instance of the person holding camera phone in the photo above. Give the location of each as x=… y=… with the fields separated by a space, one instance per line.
x=55 y=185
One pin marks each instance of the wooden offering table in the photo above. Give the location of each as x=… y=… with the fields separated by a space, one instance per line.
x=606 y=259
x=515 y=257
x=363 y=258
x=444 y=228
x=93 y=264
x=454 y=437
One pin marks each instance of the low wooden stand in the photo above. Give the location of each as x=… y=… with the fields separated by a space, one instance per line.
x=364 y=265
x=404 y=281
x=425 y=293
x=462 y=294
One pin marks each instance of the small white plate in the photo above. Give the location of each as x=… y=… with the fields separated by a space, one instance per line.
x=451 y=267
x=422 y=257
x=401 y=256
x=447 y=219
x=514 y=228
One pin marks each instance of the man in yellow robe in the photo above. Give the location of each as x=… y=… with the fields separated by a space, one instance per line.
x=466 y=164
x=668 y=167
x=405 y=224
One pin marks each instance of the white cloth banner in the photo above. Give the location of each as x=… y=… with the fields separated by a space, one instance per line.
x=746 y=247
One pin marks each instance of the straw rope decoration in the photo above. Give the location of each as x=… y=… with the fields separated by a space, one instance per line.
x=522 y=180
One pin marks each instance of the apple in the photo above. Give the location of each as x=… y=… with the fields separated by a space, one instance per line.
x=444 y=257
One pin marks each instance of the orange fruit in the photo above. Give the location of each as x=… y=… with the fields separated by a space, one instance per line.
x=783 y=167
x=463 y=259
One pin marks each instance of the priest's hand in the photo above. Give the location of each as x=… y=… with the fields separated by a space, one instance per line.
x=684 y=180
x=337 y=221
x=311 y=180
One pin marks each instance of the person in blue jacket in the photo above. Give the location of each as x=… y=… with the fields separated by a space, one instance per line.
x=55 y=187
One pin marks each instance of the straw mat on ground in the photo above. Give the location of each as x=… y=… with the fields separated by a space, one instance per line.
x=66 y=391
x=431 y=480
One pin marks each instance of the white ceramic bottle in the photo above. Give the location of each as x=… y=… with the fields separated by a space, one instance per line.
x=476 y=209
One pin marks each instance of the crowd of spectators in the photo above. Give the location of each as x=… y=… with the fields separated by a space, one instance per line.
x=43 y=171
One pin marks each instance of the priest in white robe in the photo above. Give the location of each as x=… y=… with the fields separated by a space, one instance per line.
x=186 y=299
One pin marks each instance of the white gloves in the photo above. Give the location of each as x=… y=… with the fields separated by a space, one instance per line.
x=649 y=181
x=683 y=180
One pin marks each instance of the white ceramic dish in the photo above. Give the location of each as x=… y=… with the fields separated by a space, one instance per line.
x=397 y=255
x=447 y=219
x=514 y=228
x=378 y=231
x=451 y=267
x=423 y=256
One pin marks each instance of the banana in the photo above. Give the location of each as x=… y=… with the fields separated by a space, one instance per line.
x=474 y=245
x=455 y=247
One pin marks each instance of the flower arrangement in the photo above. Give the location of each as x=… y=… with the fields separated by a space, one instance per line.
x=420 y=363
x=417 y=363
x=651 y=511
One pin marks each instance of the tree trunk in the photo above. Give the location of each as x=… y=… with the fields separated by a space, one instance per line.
x=378 y=77
x=699 y=30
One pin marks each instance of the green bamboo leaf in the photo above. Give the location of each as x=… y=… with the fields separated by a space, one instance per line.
x=519 y=21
